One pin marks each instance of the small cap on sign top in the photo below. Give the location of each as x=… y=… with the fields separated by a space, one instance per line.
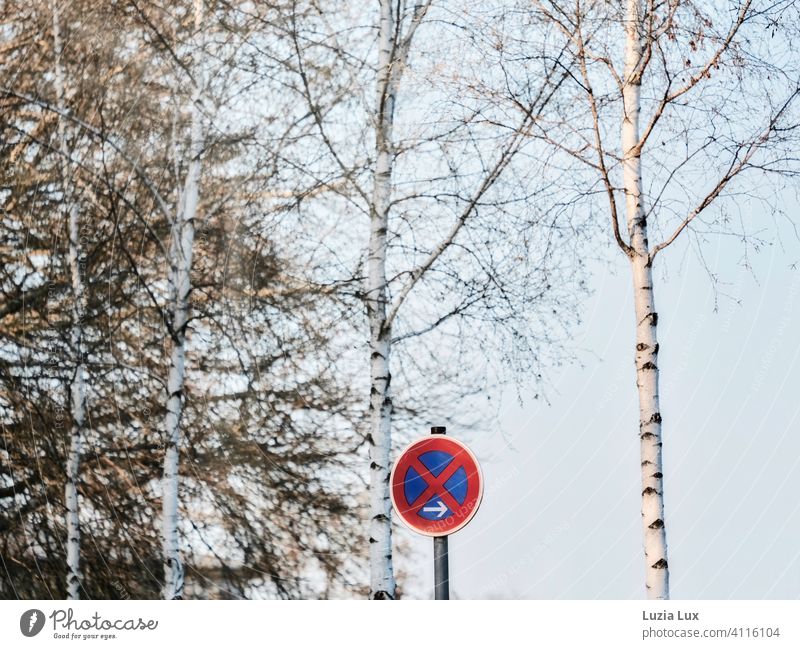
x=438 y=430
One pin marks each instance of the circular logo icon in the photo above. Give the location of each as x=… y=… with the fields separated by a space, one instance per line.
x=31 y=622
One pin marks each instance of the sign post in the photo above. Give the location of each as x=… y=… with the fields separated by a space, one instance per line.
x=441 y=560
x=436 y=488
x=441 y=568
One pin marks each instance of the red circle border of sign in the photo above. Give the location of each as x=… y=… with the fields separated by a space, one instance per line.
x=478 y=498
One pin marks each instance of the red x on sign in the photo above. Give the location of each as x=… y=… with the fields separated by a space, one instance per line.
x=436 y=485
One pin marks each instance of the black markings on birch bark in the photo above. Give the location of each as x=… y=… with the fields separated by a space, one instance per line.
x=382 y=594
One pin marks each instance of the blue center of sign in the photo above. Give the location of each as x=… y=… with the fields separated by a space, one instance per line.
x=414 y=485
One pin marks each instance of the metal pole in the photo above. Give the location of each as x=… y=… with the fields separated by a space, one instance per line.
x=441 y=560
x=441 y=568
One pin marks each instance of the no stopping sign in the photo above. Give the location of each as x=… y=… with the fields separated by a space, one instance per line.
x=436 y=485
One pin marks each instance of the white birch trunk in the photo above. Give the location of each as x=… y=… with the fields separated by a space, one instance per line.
x=646 y=356
x=78 y=386
x=382 y=584
x=180 y=266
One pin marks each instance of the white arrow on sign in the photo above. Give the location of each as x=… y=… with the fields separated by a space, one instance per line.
x=442 y=508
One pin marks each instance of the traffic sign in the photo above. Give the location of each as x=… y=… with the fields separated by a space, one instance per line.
x=436 y=485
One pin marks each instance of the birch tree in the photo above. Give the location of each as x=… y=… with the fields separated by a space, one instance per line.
x=678 y=77
x=78 y=387
x=180 y=285
x=392 y=53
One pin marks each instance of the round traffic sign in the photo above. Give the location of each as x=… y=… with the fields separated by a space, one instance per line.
x=436 y=485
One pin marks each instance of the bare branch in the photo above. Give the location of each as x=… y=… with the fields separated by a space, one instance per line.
x=141 y=173
x=736 y=166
